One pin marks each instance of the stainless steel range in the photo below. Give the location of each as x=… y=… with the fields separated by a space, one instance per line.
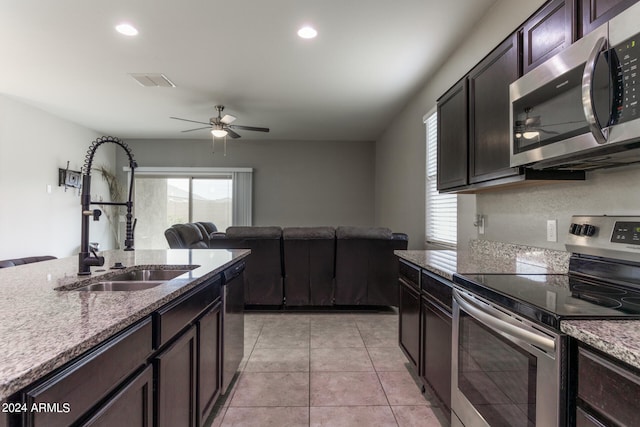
x=509 y=356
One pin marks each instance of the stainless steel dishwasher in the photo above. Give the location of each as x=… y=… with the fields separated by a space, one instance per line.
x=232 y=323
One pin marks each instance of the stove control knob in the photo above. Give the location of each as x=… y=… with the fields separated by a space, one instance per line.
x=575 y=229
x=588 y=230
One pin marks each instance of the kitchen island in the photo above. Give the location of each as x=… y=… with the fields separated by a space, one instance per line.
x=45 y=323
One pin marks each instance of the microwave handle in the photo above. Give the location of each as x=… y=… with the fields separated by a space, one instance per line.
x=588 y=103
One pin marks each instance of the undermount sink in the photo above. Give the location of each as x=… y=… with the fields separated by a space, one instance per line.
x=135 y=280
x=147 y=275
x=120 y=286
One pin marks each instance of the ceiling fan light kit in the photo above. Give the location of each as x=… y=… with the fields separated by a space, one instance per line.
x=219 y=133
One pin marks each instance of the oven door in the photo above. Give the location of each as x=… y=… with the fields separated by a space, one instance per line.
x=506 y=371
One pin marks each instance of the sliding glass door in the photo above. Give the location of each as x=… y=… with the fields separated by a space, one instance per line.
x=162 y=201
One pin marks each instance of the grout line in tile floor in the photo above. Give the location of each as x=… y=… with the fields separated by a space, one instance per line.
x=373 y=331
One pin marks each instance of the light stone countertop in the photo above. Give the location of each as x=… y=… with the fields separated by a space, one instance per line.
x=42 y=328
x=618 y=338
x=483 y=257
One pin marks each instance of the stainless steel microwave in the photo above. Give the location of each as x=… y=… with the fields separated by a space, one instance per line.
x=579 y=110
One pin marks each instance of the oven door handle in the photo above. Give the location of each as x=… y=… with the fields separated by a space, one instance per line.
x=499 y=321
x=588 y=103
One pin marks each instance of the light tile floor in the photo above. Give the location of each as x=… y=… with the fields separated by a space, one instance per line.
x=325 y=369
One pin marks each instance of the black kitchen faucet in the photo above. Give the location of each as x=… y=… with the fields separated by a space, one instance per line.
x=87 y=256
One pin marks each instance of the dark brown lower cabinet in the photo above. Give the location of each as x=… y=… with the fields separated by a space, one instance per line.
x=436 y=350
x=608 y=391
x=88 y=381
x=409 y=309
x=209 y=351
x=176 y=382
x=131 y=406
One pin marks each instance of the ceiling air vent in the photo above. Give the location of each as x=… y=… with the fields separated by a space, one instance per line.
x=152 y=80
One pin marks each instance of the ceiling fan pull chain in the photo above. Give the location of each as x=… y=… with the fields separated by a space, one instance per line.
x=225 y=145
x=213 y=144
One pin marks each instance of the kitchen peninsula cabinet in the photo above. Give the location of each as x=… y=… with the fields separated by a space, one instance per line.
x=593 y=13
x=188 y=365
x=607 y=391
x=108 y=366
x=176 y=382
x=104 y=358
x=209 y=363
x=547 y=33
x=132 y=406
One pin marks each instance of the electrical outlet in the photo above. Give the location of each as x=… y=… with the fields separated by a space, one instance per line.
x=552 y=230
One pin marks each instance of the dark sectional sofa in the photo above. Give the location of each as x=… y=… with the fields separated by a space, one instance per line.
x=307 y=266
x=26 y=260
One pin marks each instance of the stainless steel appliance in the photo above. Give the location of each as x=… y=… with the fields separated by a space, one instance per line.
x=579 y=109
x=233 y=323
x=510 y=358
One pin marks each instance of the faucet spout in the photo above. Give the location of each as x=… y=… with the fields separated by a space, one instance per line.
x=87 y=258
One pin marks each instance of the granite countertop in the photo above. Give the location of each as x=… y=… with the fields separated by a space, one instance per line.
x=483 y=257
x=618 y=338
x=42 y=328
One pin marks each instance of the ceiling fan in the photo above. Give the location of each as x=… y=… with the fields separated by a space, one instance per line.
x=531 y=127
x=221 y=126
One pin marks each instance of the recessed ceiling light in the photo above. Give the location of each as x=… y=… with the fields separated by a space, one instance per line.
x=307 y=32
x=127 y=29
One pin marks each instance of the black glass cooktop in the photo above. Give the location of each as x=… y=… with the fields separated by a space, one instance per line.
x=550 y=298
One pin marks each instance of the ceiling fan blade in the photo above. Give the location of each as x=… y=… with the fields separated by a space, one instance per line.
x=228 y=119
x=187 y=120
x=232 y=134
x=191 y=130
x=253 y=128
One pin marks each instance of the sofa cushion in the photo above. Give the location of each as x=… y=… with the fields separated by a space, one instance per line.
x=291 y=233
x=363 y=233
x=243 y=232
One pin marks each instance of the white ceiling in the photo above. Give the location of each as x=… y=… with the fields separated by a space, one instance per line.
x=370 y=56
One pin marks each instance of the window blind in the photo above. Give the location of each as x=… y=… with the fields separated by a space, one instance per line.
x=441 y=209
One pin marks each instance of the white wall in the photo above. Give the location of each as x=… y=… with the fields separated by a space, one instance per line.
x=400 y=150
x=295 y=183
x=520 y=216
x=33 y=145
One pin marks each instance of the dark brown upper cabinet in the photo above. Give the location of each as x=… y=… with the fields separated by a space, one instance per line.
x=452 y=137
x=474 y=137
x=489 y=137
x=593 y=13
x=547 y=32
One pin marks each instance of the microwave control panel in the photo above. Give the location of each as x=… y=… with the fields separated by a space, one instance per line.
x=627 y=87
